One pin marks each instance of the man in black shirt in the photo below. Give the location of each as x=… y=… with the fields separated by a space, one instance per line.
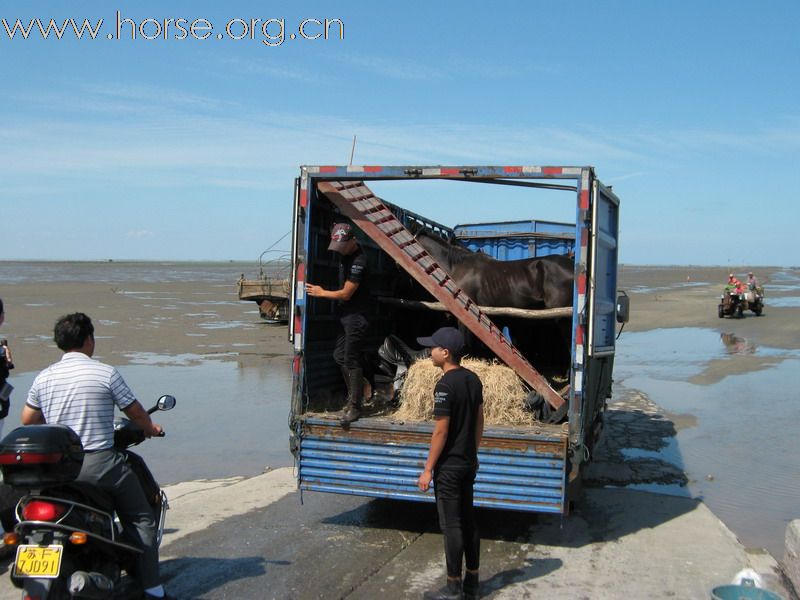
x=353 y=298
x=453 y=461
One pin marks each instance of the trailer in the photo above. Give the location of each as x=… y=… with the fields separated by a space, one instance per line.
x=527 y=468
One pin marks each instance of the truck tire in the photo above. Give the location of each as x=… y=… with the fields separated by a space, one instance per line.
x=739 y=311
x=720 y=311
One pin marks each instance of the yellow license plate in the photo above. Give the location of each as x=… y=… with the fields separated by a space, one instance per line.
x=38 y=561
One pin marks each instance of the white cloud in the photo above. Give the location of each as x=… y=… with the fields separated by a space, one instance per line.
x=394 y=69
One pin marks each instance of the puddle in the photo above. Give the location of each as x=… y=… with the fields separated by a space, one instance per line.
x=224 y=325
x=229 y=420
x=739 y=456
x=641 y=289
x=785 y=302
x=150 y=358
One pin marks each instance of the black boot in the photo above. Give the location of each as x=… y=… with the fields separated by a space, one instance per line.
x=451 y=591
x=355 y=389
x=471 y=586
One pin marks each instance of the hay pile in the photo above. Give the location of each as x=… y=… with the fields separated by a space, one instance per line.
x=503 y=392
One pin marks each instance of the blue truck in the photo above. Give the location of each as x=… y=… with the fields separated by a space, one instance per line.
x=533 y=468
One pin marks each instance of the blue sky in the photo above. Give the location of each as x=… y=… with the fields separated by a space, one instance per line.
x=187 y=149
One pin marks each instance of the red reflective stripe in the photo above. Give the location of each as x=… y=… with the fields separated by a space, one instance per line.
x=584 y=200
x=298 y=325
x=579 y=336
x=373 y=169
x=449 y=171
x=296 y=364
x=301 y=272
x=552 y=170
x=327 y=169
x=512 y=169
x=582 y=283
x=28 y=458
x=303 y=197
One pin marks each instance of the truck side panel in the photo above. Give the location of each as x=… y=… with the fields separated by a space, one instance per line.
x=384 y=459
x=516 y=240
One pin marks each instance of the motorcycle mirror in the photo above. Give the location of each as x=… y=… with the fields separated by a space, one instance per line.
x=166 y=402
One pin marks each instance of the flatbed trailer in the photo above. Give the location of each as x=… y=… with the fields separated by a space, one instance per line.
x=528 y=468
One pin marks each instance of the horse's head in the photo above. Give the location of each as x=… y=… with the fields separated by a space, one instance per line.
x=446 y=253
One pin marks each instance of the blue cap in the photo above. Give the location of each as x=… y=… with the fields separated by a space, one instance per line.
x=446 y=337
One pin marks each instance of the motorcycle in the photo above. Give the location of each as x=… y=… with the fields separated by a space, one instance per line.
x=69 y=543
x=731 y=303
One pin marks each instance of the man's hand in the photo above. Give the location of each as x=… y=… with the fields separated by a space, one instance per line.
x=139 y=415
x=314 y=290
x=424 y=481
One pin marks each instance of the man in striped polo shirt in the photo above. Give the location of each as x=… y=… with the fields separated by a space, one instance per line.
x=81 y=393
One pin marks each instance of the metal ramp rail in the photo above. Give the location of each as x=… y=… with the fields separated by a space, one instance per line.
x=357 y=202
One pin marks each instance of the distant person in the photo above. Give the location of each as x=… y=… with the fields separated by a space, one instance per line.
x=453 y=461
x=752 y=282
x=734 y=285
x=81 y=393
x=353 y=299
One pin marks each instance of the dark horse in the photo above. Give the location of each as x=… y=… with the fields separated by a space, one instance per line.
x=531 y=283
x=544 y=282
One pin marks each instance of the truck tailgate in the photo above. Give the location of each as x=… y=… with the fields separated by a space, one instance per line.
x=520 y=468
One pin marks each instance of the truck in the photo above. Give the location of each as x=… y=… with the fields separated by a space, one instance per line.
x=533 y=468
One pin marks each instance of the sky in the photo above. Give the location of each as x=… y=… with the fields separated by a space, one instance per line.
x=187 y=149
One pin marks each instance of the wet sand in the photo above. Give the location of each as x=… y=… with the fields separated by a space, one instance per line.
x=136 y=321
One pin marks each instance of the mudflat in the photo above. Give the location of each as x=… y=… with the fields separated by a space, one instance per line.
x=194 y=319
x=204 y=319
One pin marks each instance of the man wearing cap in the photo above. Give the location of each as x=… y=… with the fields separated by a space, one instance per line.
x=752 y=282
x=353 y=299
x=453 y=461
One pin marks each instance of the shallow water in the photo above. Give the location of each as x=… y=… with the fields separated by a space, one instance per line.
x=229 y=420
x=741 y=456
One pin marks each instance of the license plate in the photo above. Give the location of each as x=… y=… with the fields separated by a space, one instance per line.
x=38 y=561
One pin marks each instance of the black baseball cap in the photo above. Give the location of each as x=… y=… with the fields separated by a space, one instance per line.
x=445 y=337
x=341 y=234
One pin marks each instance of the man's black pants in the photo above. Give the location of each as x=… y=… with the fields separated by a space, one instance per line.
x=454 y=489
x=350 y=342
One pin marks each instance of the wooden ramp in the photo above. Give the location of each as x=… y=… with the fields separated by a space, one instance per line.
x=356 y=201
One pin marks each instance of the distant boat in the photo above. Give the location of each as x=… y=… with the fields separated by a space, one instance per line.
x=270 y=290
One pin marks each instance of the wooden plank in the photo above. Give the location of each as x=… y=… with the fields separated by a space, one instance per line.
x=504 y=311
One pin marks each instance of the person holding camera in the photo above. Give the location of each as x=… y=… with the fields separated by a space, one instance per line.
x=6 y=364
x=8 y=497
